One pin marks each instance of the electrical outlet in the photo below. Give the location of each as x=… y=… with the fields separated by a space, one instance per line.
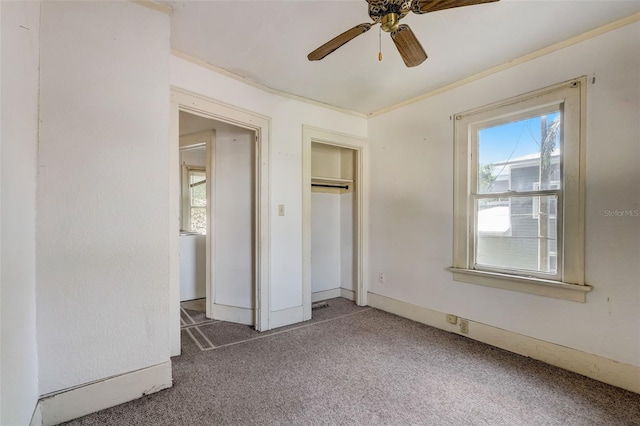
x=464 y=326
x=380 y=277
x=452 y=319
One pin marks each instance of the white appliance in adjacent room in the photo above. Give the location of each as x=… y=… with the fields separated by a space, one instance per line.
x=192 y=266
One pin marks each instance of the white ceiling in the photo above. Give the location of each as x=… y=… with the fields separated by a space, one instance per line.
x=268 y=41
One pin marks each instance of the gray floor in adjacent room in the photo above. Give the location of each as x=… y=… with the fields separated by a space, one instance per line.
x=354 y=365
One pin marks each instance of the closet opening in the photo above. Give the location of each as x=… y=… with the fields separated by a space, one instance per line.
x=333 y=215
x=333 y=188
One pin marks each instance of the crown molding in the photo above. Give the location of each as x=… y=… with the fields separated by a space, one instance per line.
x=262 y=87
x=518 y=61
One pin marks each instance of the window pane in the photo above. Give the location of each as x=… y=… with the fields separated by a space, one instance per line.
x=509 y=236
x=199 y=220
x=198 y=185
x=509 y=155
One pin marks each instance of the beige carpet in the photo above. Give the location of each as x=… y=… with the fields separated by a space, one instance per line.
x=363 y=366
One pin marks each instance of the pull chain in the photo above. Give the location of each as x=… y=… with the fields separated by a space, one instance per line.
x=379 y=43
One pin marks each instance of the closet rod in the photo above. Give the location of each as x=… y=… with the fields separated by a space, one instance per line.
x=323 y=185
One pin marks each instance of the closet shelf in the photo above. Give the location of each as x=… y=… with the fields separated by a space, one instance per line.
x=328 y=179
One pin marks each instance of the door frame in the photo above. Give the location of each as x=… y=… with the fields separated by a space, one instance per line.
x=358 y=144
x=192 y=103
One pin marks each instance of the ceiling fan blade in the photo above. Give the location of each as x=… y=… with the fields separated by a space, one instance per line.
x=336 y=42
x=426 y=6
x=408 y=45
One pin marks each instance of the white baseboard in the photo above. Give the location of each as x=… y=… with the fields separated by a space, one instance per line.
x=625 y=376
x=82 y=400
x=285 y=317
x=348 y=294
x=319 y=296
x=234 y=314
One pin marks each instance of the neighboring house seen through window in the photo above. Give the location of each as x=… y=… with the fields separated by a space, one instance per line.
x=519 y=193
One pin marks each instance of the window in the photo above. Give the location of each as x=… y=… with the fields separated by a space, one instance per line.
x=519 y=191
x=194 y=215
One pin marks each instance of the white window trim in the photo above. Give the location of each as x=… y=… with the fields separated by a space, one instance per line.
x=571 y=285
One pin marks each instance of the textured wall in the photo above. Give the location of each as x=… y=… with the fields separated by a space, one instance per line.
x=412 y=202
x=103 y=212
x=19 y=361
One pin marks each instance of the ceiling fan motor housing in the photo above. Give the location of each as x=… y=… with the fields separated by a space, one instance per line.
x=388 y=13
x=390 y=22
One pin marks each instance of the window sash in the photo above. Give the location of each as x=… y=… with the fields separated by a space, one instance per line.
x=507 y=194
x=187 y=204
x=474 y=234
x=474 y=130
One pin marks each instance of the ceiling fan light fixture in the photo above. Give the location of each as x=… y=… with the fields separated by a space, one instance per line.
x=390 y=22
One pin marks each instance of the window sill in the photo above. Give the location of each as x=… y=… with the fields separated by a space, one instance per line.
x=537 y=286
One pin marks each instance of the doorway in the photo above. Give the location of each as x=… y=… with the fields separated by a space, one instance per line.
x=334 y=217
x=218 y=201
x=237 y=281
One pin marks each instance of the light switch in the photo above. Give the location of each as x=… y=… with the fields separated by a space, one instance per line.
x=280 y=209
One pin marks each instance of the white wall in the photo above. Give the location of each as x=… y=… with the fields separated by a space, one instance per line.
x=325 y=241
x=332 y=250
x=285 y=174
x=19 y=361
x=411 y=202
x=103 y=203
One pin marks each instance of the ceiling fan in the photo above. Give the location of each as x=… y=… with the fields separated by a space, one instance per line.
x=388 y=14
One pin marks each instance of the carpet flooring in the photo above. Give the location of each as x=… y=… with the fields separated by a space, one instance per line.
x=362 y=366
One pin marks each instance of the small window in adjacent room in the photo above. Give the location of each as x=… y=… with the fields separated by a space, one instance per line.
x=519 y=204
x=196 y=211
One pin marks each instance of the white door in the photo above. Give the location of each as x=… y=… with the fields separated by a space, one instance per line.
x=233 y=225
